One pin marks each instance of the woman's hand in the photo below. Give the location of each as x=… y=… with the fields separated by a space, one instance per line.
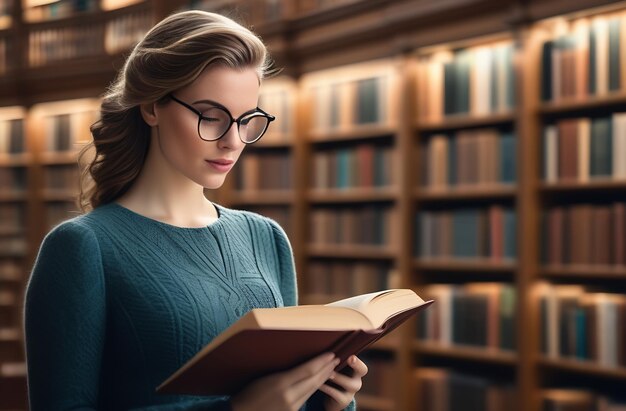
x=286 y=391
x=337 y=400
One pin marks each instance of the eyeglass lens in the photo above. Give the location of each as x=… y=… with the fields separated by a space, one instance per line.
x=216 y=121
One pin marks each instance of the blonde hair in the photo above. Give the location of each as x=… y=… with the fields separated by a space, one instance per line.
x=171 y=55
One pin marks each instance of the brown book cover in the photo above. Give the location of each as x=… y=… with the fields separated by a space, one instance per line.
x=568 y=149
x=601 y=241
x=270 y=340
x=618 y=233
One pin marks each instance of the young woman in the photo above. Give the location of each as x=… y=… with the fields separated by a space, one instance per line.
x=122 y=296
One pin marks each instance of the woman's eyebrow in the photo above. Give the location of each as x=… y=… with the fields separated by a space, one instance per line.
x=216 y=104
x=205 y=101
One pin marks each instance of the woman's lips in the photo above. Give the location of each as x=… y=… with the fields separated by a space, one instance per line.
x=220 y=165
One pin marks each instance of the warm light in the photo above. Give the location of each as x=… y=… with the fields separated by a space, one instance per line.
x=118 y=4
x=37 y=3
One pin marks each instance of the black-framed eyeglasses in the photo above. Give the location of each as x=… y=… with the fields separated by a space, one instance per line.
x=215 y=121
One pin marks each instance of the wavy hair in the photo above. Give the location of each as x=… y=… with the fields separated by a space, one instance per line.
x=171 y=55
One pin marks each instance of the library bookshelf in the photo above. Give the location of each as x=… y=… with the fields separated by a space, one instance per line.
x=415 y=146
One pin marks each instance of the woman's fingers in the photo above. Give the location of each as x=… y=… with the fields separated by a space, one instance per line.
x=359 y=367
x=305 y=388
x=309 y=368
x=348 y=384
x=335 y=394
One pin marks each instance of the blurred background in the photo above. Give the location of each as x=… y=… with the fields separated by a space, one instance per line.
x=472 y=150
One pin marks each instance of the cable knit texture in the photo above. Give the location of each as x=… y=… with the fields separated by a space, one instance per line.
x=118 y=301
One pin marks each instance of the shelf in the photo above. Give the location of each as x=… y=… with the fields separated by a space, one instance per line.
x=269 y=144
x=375 y=403
x=351 y=251
x=263 y=197
x=477 y=265
x=9 y=197
x=5 y=22
x=12 y=254
x=583 y=367
x=358 y=133
x=466 y=193
x=466 y=353
x=17 y=369
x=15 y=160
x=584 y=271
x=60 y=195
x=11 y=231
x=465 y=121
x=589 y=102
x=347 y=195
x=55 y=158
x=10 y=334
x=572 y=186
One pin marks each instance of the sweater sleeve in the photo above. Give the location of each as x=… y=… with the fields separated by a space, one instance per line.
x=288 y=282
x=65 y=325
x=65 y=321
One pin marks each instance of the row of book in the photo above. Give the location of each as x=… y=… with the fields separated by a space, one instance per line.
x=363 y=165
x=345 y=105
x=10 y=271
x=585 y=234
x=382 y=378
x=341 y=279
x=359 y=225
x=66 y=132
x=12 y=136
x=125 y=31
x=271 y=170
x=50 y=10
x=8 y=301
x=473 y=81
x=4 y=54
x=581 y=149
x=476 y=314
x=583 y=325
x=6 y=7
x=12 y=217
x=61 y=177
x=579 y=400
x=587 y=60
x=12 y=246
x=279 y=99
x=480 y=157
x=488 y=233
x=442 y=389
x=49 y=45
x=13 y=179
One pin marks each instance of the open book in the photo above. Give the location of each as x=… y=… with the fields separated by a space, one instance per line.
x=269 y=340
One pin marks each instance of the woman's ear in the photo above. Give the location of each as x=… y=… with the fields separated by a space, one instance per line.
x=148 y=114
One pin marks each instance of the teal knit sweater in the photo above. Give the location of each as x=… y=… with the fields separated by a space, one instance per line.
x=118 y=301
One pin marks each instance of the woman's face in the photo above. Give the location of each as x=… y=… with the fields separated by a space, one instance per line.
x=206 y=162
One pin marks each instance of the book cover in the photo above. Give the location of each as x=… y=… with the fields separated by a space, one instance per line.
x=270 y=340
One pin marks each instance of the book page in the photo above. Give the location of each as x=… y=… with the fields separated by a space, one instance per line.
x=382 y=305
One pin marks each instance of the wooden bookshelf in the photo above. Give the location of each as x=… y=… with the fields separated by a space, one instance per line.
x=454 y=122
x=606 y=272
x=583 y=367
x=352 y=195
x=465 y=193
x=351 y=251
x=345 y=44
x=467 y=353
x=478 y=265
